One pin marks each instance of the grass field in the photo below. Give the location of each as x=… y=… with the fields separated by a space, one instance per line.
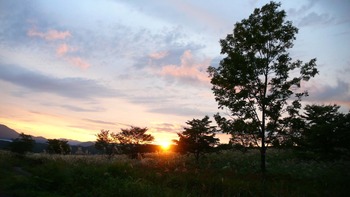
x=229 y=173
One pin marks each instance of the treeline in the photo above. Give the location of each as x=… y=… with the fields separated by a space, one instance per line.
x=26 y=144
x=320 y=129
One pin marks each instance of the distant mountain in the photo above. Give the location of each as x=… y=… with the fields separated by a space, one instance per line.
x=71 y=142
x=86 y=144
x=40 y=139
x=7 y=133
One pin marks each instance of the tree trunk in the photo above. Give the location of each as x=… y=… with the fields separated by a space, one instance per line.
x=263 y=148
x=263 y=153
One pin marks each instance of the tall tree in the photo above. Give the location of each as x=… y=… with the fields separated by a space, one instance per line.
x=198 y=138
x=23 y=144
x=253 y=80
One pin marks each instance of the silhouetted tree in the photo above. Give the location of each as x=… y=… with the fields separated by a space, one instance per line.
x=131 y=140
x=56 y=146
x=197 y=139
x=253 y=80
x=327 y=130
x=23 y=144
x=105 y=143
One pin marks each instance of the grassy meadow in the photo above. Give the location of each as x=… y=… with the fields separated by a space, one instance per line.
x=229 y=173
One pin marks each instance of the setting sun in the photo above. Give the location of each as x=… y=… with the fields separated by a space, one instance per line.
x=165 y=145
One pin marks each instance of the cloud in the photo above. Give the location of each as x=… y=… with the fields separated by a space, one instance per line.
x=80 y=109
x=50 y=35
x=79 y=62
x=189 y=70
x=106 y=122
x=313 y=19
x=338 y=94
x=99 y=121
x=305 y=8
x=158 y=55
x=166 y=128
x=62 y=49
x=178 y=111
x=200 y=15
x=78 y=88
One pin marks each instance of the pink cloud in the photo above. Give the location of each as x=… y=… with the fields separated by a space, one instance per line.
x=158 y=55
x=79 y=62
x=50 y=34
x=188 y=70
x=62 y=49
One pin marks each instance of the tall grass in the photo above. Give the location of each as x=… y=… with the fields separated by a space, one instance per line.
x=168 y=174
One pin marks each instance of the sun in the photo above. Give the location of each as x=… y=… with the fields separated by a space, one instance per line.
x=165 y=145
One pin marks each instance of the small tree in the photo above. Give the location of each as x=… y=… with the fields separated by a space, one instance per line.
x=56 y=146
x=197 y=139
x=23 y=144
x=131 y=140
x=105 y=143
x=253 y=80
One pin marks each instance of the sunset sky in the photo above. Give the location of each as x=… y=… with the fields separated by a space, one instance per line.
x=71 y=68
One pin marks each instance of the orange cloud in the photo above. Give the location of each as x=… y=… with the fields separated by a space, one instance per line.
x=189 y=69
x=79 y=62
x=50 y=34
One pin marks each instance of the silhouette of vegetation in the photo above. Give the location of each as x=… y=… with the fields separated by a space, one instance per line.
x=23 y=144
x=129 y=141
x=197 y=139
x=227 y=174
x=253 y=81
x=56 y=146
x=327 y=131
x=105 y=143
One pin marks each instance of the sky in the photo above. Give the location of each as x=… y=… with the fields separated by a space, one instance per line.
x=71 y=68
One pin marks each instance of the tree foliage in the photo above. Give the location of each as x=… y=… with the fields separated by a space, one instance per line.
x=105 y=143
x=56 y=146
x=327 y=131
x=197 y=139
x=128 y=141
x=134 y=135
x=257 y=77
x=131 y=140
x=23 y=144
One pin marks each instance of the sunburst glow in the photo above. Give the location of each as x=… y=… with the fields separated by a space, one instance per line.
x=165 y=145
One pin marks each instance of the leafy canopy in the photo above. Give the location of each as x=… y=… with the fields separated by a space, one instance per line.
x=327 y=131
x=257 y=77
x=134 y=135
x=198 y=138
x=128 y=141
